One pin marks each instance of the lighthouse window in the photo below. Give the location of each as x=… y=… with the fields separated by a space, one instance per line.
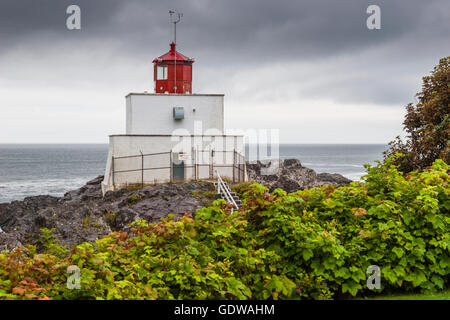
x=161 y=73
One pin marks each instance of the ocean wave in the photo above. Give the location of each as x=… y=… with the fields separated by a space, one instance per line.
x=354 y=176
x=332 y=165
x=18 y=190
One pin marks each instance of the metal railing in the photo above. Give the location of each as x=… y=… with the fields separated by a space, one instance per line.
x=222 y=188
x=164 y=161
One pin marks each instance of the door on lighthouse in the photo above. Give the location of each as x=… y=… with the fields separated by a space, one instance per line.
x=178 y=167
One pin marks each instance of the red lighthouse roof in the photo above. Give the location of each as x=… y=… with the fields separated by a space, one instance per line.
x=170 y=56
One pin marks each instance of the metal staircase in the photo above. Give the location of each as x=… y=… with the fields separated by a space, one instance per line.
x=224 y=192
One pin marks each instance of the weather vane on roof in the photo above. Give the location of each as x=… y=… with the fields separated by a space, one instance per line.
x=175 y=21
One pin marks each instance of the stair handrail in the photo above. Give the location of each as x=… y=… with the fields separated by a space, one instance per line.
x=222 y=186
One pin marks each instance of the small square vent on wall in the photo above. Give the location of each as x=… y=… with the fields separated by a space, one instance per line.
x=178 y=113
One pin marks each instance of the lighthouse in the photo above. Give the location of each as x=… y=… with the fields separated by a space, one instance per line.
x=173 y=134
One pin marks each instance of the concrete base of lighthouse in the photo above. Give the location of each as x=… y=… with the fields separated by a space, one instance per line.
x=151 y=159
x=173 y=137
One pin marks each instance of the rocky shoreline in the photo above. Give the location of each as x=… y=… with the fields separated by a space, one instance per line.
x=85 y=215
x=291 y=176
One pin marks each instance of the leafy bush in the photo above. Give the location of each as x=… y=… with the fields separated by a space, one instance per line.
x=311 y=244
x=48 y=241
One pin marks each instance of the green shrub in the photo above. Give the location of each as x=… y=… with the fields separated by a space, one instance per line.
x=311 y=244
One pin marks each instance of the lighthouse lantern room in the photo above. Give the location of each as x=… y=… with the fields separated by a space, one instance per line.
x=173 y=72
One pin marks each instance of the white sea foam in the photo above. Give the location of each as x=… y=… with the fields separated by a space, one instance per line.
x=17 y=190
x=355 y=176
x=332 y=165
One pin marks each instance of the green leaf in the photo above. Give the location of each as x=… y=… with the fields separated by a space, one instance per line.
x=437 y=280
x=398 y=251
x=307 y=254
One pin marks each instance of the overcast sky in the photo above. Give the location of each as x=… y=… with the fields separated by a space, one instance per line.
x=310 y=68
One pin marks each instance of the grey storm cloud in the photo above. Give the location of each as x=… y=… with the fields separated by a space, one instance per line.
x=237 y=33
x=255 y=29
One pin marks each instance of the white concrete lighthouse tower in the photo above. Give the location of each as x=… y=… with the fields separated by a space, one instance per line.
x=173 y=134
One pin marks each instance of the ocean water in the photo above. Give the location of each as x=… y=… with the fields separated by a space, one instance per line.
x=34 y=169
x=54 y=169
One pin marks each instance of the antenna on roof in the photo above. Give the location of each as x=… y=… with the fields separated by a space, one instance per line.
x=175 y=21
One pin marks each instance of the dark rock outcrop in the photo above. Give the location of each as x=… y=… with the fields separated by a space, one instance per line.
x=290 y=175
x=85 y=215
